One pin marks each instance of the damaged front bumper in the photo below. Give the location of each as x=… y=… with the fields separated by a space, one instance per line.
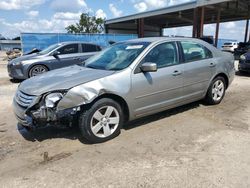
x=16 y=71
x=38 y=115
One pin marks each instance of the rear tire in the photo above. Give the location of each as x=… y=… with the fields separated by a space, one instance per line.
x=216 y=91
x=102 y=121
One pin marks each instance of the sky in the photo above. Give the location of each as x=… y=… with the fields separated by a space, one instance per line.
x=18 y=16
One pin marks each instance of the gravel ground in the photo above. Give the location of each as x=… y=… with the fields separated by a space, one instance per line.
x=190 y=146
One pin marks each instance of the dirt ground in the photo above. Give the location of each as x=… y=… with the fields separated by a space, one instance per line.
x=191 y=146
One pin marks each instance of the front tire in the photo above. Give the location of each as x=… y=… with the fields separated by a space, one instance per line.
x=102 y=121
x=216 y=91
x=37 y=70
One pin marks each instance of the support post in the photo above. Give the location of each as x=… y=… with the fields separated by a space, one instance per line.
x=249 y=37
x=247 y=25
x=161 y=32
x=106 y=29
x=246 y=30
x=195 y=23
x=140 y=27
x=202 y=22
x=217 y=28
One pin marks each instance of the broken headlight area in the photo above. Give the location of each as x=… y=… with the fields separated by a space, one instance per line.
x=52 y=99
x=46 y=112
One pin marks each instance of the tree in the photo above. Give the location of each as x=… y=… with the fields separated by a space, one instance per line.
x=2 y=37
x=17 y=38
x=87 y=24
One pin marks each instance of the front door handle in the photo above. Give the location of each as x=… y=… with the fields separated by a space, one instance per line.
x=212 y=65
x=177 y=73
x=77 y=58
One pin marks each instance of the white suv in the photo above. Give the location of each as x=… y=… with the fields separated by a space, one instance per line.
x=230 y=46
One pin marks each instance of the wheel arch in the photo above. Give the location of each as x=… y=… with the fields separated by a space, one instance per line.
x=224 y=76
x=120 y=100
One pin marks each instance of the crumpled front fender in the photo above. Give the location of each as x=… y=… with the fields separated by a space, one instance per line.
x=78 y=96
x=86 y=93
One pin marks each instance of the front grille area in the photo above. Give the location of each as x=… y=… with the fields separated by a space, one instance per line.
x=23 y=99
x=9 y=66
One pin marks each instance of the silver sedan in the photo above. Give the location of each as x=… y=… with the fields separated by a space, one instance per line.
x=55 y=56
x=126 y=81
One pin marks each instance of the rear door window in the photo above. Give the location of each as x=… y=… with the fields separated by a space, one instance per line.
x=195 y=52
x=68 y=49
x=90 y=48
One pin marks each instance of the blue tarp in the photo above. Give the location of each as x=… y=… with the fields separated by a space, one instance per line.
x=43 y=40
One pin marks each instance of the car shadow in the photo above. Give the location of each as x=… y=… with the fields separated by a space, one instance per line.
x=73 y=133
x=243 y=74
x=15 y=81
x=51 y=132
x=161 y=115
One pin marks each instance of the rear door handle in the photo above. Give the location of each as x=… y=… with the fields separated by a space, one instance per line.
x=177 y=73
x=212 y=65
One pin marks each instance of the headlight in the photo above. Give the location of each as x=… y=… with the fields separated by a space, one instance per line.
x=243 y=57
x=17 y=63
x=52 y=99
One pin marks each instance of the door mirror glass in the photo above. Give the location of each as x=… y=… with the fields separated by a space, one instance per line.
x=149 y=67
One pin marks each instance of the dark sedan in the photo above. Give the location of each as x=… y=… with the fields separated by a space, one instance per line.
x=243 y=47
x=244 y=62
x=54 y=57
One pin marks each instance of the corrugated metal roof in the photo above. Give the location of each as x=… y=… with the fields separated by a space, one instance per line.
x=175 y=8
x=10 y=42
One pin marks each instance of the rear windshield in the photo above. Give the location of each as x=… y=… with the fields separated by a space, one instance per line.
x=228 y=43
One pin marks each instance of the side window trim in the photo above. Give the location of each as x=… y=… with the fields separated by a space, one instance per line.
x=208 y=51
x=181 y=52
x=138 y=70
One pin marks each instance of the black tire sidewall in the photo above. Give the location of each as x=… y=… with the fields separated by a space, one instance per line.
x=209 y=96
x=86 y=116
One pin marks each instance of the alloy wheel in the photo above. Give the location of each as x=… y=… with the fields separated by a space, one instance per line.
x=105 y=121
x=37 y=70
x=218 y=90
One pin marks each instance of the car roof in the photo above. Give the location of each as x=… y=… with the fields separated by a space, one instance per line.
x=76 y=42
x=155 y=40
x=159 y=39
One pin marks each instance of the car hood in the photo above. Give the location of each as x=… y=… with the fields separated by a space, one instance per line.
x=25 y=58
x=61 y=79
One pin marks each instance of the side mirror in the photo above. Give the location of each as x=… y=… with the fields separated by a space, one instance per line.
x=149 y=67
x=56 y=54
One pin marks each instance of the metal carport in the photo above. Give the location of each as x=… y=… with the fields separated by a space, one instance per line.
x=194 y=13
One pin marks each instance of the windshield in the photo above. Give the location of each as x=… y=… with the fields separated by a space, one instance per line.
x=49 y=49
x=117 y=57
